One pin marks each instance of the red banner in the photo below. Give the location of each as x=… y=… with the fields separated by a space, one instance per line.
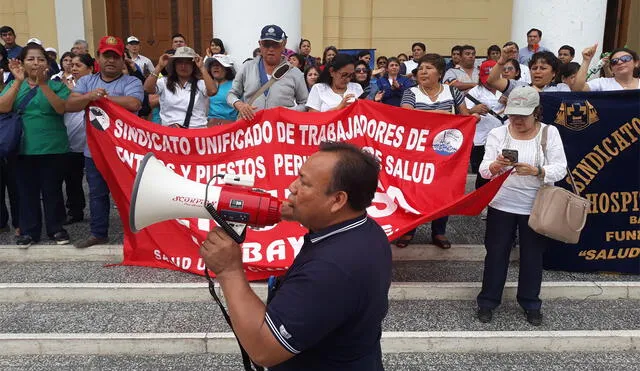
x=424 y=158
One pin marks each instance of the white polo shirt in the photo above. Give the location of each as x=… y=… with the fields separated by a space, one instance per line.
x=173 y=106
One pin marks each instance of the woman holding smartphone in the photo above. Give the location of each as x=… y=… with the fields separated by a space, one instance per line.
x=509 y=210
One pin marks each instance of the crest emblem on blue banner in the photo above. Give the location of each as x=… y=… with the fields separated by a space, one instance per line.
x=576 y=115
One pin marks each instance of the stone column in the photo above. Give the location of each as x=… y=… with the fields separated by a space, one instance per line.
x=578 y=23
x=238 y=23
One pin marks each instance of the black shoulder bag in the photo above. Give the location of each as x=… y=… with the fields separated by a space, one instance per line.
x=192 y=98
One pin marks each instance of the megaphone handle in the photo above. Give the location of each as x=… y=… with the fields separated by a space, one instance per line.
x=222 y=223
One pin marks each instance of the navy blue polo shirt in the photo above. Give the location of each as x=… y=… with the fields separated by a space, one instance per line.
x=328 y=308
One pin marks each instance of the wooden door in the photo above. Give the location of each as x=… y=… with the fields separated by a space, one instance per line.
x=154 y=21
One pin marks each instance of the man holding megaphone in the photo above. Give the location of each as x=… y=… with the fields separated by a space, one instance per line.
x=326 y=311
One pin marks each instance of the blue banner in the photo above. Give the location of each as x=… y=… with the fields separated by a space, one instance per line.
x=601 y=136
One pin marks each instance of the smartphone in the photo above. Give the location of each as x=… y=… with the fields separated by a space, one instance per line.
x=510 y=154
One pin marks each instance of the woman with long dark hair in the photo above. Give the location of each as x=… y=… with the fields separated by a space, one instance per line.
x=311 y=75
x=334 y=89
x=186 y=71
x=327 y=56
x=216 y=46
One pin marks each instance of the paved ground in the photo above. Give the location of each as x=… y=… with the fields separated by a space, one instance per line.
x=619 y=361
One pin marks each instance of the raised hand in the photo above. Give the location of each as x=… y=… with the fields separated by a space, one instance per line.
x=163 y=60
x=17 y=69
x=198 y=61
x=508 y=52
x=588 y=53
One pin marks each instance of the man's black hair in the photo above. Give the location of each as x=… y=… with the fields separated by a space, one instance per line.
x=355 y=173
x=5 y=29
x=537 y=30
x=570 y=48
x=421 y=45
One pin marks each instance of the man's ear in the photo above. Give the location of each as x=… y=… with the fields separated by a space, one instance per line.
x=340 y=201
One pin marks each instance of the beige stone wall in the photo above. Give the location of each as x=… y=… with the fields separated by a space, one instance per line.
x=95 y=22
x=30 y=18
x=391 y=26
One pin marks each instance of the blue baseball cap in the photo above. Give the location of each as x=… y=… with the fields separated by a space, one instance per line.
x=272 y=32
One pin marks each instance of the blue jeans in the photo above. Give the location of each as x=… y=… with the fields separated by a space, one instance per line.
x=99 y=202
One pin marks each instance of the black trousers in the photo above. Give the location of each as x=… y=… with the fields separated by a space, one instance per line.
x=477 y=154
x=8 y=184
x=73 y=175
x=499 y=236
x=40 y=175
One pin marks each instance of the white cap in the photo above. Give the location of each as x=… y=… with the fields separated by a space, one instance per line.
x=224 y=60
x=522 y=101
x=51 y=50
x=132 y=39
x=35 y=41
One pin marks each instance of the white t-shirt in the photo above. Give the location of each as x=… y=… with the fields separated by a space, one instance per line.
x=488 y=121
x=173 y=106
x=525 y=73
x=143 y=62
x=410 y=65
x=323 y=98
x=517 y=193
x=606 y=84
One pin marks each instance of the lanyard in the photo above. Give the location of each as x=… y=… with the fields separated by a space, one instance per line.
x=263 y=75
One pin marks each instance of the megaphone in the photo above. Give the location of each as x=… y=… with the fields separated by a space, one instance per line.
x=159 y=194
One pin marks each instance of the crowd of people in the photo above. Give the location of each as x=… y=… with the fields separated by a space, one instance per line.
x=191 y=90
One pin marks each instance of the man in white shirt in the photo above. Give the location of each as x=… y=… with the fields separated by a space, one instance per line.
x=418 y=49
x=145 y=64
x=533 y=46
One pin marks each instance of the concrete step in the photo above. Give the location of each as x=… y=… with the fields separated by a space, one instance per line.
x=403 y=271
x=392 y=342
x=113 y=253
x=403 y=317
x=569 y=361
x=192 y=292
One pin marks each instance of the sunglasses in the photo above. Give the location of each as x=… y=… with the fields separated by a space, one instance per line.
x=346 y=75
x=507 y=69
x=623 y=59
x=361 y=70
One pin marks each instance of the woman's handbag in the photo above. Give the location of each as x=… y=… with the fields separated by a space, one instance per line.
x=11 y=126
x=558 y=213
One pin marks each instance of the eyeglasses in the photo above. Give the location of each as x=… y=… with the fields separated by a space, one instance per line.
x=346 y=75
x=269 y=44
x=361 y=70
x=624 y=59
x=509 y=68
